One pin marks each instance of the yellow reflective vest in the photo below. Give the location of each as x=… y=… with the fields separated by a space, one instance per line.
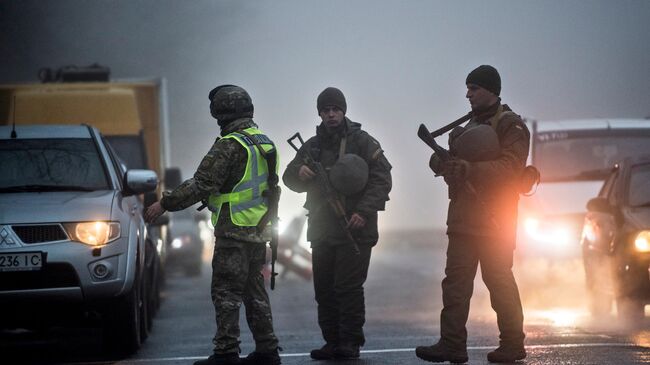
x=247 y=204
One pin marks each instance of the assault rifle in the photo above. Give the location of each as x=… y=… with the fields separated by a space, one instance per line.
x=428 y=138
x=325 y=187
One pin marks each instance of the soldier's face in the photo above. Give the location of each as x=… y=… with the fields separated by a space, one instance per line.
x=332 y=116
x=479 y=98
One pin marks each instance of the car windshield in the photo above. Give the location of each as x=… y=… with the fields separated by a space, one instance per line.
x=586 y=155
x=56 y=164
x=639 y=191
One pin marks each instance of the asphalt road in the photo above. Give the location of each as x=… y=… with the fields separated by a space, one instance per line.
x=403 y=299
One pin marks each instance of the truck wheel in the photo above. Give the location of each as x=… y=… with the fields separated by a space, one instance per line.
x=122 y=324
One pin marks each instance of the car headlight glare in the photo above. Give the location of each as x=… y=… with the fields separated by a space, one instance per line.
x=177 y=243
x=547 y=233
x=93 y=233
x=642 y=241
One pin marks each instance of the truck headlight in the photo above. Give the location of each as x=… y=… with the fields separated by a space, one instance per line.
x=642 y=241
x=93 y=233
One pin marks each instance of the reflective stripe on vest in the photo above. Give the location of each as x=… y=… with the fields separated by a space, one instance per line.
x=247 y=205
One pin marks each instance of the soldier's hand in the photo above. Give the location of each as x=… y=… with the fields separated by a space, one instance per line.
x=456 y=169
x=305 y=173
x=356 y=221
x=154 y=211
x=435 y=164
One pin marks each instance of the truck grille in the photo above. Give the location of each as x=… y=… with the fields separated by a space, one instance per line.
x=40 y=233
x=50 y=276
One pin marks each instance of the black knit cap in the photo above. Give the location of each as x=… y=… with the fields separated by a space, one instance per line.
x=486 y=77
x=331 y=96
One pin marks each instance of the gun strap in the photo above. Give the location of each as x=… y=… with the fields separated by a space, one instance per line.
x=452 y=125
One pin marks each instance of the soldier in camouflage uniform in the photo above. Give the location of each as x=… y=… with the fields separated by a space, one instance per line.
x=240 y=251
x=339 y=273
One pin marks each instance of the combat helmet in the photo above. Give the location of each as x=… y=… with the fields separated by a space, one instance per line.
x=349 y=174
x=479 y=143
x=229 y=102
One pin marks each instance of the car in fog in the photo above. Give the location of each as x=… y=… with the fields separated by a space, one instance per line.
x=73 y=243
x=616 y=241
x=186 y=248
x=574 y=157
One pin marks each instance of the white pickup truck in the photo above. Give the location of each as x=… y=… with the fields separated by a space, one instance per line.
x=73 y=243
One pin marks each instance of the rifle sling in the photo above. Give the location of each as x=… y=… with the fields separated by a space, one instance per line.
x=452 y=125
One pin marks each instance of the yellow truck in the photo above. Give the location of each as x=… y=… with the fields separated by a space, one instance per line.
x=131 y=114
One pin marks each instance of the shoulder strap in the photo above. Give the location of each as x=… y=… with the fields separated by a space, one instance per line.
x=494 y=121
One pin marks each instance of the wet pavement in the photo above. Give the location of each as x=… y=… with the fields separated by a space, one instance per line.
x=403 y=299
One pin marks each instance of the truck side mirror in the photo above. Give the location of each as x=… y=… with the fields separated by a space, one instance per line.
x=140 y=181
x=600 y=205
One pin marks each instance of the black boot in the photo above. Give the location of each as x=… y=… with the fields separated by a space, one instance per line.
x=506 y=353
x=324 y=353
x=231 y=358
x=440 y=353
x=262 y=358
x=346 y=351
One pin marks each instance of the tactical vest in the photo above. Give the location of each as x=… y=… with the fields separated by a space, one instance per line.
x=246 y=200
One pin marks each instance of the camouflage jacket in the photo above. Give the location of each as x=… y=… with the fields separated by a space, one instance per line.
x=219 y=171
x=495 y=182
x=323 y=225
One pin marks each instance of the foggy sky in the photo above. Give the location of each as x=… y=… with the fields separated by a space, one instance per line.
x=399 y=63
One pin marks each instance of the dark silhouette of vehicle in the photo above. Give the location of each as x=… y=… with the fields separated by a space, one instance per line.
x=616 y=241
x=186 y=247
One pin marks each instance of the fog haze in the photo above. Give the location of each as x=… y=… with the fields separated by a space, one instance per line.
x=398 y=63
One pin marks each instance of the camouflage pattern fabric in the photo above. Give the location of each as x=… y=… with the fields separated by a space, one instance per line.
x=229 y=102
x=237 y=277
x=220 y=170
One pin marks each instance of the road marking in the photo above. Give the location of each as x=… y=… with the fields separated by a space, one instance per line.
x=379 y=351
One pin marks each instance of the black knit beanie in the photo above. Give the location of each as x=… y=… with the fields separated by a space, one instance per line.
x=331 y=97
x=486 y=77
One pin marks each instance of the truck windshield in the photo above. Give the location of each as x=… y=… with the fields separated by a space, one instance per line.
x=585 y=155
x=51 y=165
x=639 y=191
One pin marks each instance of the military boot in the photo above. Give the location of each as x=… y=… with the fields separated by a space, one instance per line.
x=231 y=358
x=440 y=353
x=505 y=353
x=324 y=353
x=346 y=351
x=262 y=358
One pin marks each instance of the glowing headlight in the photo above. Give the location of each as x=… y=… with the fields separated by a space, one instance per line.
x=177 y=243
x=93 y=233
x=551 y=234
x=642 y=241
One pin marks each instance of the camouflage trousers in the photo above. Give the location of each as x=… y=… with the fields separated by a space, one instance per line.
x=237 y=278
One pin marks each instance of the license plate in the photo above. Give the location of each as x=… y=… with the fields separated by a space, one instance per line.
x=21 y=261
